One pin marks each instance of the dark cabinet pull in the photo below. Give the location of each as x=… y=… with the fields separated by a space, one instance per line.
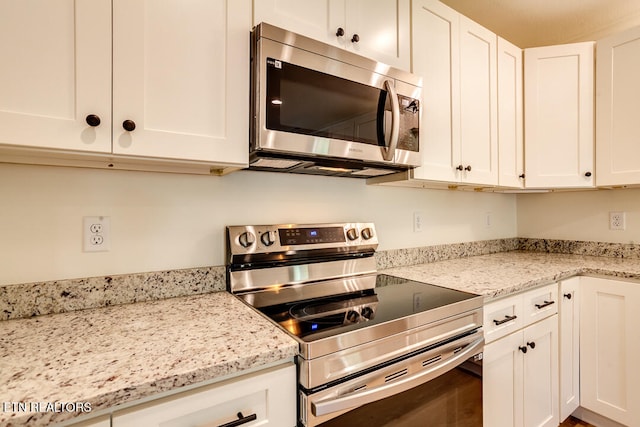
x=468 y=168
x=521 y=176
x=459 y=167
x=505 y=320
x=129 y=125
x=523 y=349
x=340 y=32
x=588 y=174
x=93 y=120
x=532 y=345
x=567 y=296
x=241 y=420
x=355 y=38
x=546 y=304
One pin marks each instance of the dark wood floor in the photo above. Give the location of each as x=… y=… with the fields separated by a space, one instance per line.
x=574 y=422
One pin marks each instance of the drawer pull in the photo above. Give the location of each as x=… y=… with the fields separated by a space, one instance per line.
x=505 y=320
x=546 y=304
x=241 y=420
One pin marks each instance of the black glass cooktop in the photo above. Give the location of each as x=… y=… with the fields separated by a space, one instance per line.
x=391 y=299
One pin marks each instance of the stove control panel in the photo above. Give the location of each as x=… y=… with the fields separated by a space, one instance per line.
x=251 y=239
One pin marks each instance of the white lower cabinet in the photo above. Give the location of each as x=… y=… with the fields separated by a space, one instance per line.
x=609 y=348
x=266 y=398
x=569 y=317
x=520 y=370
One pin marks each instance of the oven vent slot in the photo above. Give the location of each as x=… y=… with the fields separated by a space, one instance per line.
x=395 y=375
x=432 y=360
x=362 y=387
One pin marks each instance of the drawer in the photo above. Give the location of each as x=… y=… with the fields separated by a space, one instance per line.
x=502 y=317
x=540 y=303
x=262 y=399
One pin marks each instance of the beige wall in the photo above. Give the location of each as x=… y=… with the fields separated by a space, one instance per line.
x=579 y=215
x=167 y=221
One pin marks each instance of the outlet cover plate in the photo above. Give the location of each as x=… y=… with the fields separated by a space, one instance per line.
x=616 y=221
x=96 y=233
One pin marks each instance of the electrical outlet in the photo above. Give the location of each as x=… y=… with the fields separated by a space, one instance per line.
x=488 y=219
x=616 y=221
x=417 y=222
x=96 y=233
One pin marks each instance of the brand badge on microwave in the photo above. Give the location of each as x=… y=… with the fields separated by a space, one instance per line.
x=274 y=63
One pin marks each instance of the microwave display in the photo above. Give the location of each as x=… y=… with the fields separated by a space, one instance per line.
x=304 y=101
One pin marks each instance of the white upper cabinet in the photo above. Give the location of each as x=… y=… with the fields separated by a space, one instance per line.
x=617 y=105
x=457 y=60
x=56 y=71
x=559 y=116
x=180 y=78
x=478 y=104
x=181 y=75
x=510 y=129
x=379 y=30
x=436 y=58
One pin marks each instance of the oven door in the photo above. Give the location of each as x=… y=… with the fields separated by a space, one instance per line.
x=442 y=385
x=311 y=105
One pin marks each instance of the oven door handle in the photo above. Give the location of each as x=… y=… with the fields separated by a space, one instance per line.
x=388 y=152
x=363 y=397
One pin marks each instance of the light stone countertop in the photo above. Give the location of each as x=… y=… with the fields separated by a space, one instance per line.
x=114 y=355
x=506 y=273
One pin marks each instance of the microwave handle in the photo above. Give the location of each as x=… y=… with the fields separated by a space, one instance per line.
x=388 y=152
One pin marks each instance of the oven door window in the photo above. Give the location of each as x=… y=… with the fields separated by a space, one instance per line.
x=450 y=400
x=304 y=101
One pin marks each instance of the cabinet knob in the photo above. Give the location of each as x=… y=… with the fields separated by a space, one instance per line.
x=523 y=348
x=468 y=168
x=532 y=345
x=567 y=296
x=93 y=120
x=459 y=167
x=129 y=125
x=355 y=38
x=588 y=174
x=340 y=32
x=521 y=176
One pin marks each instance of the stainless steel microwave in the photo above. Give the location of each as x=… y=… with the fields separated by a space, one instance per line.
x=319 y=109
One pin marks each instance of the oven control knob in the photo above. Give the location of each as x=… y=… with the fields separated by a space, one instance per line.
x=352 y=234
x=352 y=316
x=246 y=239
x=367 y=233
x=268 y=238
x=367 y=312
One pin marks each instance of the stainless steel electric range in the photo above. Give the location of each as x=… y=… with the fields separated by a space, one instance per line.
x=364 y=337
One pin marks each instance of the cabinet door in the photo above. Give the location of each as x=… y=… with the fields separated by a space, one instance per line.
x=569 y=352
x=181 y=74
x=540 y=374
x=559 y=103
x=56 y=72
x=510 y=136
x=478 y=104
x=383 y=30
x=270 y=396
x=502 y=382
x=318 y=19
x=435 y=57
x=617 y=104
x=609 y=347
